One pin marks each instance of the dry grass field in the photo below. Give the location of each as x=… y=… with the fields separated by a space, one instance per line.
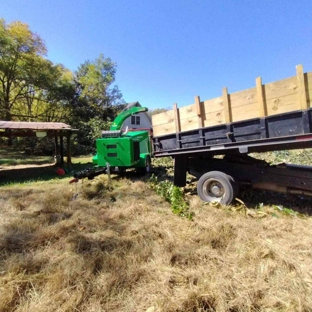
x=100 y=246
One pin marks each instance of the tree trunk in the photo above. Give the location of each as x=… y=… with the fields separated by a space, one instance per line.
x=8 y=117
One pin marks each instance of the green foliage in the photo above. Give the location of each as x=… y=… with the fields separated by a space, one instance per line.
x=25 y=75
x=93 y=83
x=172 y=194
x=287 y=211
x=32 y=88
x=89 y=131
x=35 y=146
x=158 y=111
x=300 y=157
x=96 y=104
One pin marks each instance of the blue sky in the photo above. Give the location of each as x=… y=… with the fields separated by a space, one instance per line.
x=168 y=51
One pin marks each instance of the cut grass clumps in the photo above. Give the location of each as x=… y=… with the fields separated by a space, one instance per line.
x=96 y=189
x=66 y=253
x=116 y=246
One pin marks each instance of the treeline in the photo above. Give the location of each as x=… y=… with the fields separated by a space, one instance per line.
x=32 y=88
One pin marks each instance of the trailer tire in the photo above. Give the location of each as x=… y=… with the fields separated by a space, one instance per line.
x=148 y=165
x=216 y=186
x=147 y=168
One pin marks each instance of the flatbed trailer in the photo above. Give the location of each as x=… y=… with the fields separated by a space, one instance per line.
x=275 y=116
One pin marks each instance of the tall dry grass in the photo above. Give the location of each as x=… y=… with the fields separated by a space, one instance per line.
x=100 y=247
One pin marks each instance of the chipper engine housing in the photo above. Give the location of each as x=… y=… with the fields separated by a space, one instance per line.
x=122 y=150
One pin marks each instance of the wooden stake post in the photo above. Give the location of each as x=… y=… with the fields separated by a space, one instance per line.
x=301 y=88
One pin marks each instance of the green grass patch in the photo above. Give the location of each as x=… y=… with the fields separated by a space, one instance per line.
x=172 y=194
x=19 y=168
x=10 y=156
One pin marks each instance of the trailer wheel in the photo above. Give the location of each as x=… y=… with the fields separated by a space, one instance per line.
x=216 y=186
x=147 y=168
x=148 y=165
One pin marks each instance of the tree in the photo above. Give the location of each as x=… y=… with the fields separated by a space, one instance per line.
x=97 y=102
x=158 y=111
x=32 y=88
x=26 y=77
x=96 y=97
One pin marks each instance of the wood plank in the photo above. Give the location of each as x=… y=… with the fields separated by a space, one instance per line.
x=281 y=88
x=244 y=97
x=227 y=106
x=308 y=84
x=260 y=97
x=245 y=112
x=188 y=112
x=214 y=118
x=302 y=97
x=176 y=118
x=189 y=123
x=283 y=104
x=163 y=118
x=211 y=119
x=213 y=105
x=244 y=104
x=199 y=110
x=168 y=128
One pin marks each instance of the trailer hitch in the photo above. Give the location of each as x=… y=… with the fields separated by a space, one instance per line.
x=89 y=173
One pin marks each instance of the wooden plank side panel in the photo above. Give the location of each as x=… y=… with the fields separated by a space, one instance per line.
x=227 y=106
x=244 y=97
x=190 y=123
x=199 y=110
x=283 y=104
x=214 y=118
x=213 y=105
x=176 y=118
x=163 y=118
x=282 y=96
x=308 y=84
x=189 y=117
x=281 y=88
x=245 y=112
x=214 y=112
x=163 y=123
x=244 y=104
x=189 y=111
x=164 y=129
x=302 y=96
x=274 y=98
x=260 y=98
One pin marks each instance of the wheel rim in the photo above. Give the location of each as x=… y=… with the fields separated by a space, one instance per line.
x=214 y=190
x=148 y=165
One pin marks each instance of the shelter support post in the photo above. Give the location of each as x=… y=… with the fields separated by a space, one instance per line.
x=69 y=164
x=61 y=150
x=57 y=151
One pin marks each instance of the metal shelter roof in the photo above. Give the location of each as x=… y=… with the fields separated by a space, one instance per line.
x=40 y=129
x=24 y=125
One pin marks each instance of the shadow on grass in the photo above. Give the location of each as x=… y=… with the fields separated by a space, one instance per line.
x=12 y=156
x=18 y=161
x=10 y=176
x=256 y=198
x=252 y=198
